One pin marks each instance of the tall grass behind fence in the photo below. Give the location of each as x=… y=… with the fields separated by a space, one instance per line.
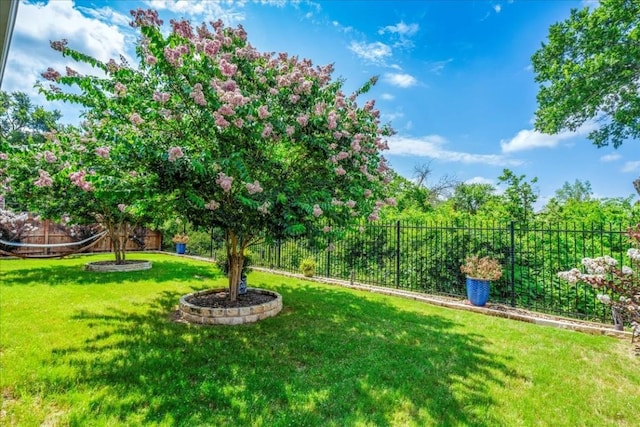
x=427 y=258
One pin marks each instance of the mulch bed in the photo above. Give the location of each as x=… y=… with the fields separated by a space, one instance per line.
x=221 y=299
x=128 y=262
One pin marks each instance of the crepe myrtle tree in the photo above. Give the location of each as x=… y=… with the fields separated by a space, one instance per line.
x=262 y=145
x=76 y=178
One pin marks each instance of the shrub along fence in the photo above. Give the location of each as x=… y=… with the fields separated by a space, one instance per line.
x=427 y=258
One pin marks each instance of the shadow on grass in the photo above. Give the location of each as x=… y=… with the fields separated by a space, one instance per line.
x=331 y=357
x=67 y=272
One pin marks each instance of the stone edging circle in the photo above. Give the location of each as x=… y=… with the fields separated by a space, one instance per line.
x=133 y=265
x=229 y=316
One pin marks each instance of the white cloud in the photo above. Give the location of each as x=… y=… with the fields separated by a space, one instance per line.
x=389 y=117
x=401 y=29
x=387 y=96
x=438 y=66
x=107 y=15
x=98 y=35
x=205 y=10
x=37 y=24
x=373 y=52
x=528 y=139
x=497 y=8
x=610 y=157
x=400 y=79
x=433 y=146
x=631 y=167
x=479 y=180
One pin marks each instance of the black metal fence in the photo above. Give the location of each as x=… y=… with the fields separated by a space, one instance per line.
x=427 y=258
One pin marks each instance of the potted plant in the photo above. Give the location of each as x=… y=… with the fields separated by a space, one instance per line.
x=480 y=271
x=308 y=267
x=181 y=241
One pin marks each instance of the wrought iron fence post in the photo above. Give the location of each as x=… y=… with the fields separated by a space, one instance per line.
x=512 y=261
x=278 y=253
x=329 y=259
x=397 y=254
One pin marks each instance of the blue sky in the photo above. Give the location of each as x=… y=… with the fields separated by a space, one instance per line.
x=455 y=76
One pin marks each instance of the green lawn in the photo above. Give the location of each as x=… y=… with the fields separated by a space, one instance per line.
x=85 y=349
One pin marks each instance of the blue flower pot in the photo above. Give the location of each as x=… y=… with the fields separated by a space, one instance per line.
x=478 y=291
x=180 y=248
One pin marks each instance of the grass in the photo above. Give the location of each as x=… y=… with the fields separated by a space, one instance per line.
x=99 y=349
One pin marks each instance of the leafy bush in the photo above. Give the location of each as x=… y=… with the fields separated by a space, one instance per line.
x=308 y=267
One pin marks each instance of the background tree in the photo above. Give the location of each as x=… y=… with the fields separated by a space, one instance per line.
x=472 y=197
x=260 y=145
x=19 y=118
x=22 y=127
x=519 y=195
x=589 y=69
x=439 y=191
x=579 y=191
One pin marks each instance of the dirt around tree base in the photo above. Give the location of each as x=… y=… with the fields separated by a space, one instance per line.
x=111 y=266
x=221 y=299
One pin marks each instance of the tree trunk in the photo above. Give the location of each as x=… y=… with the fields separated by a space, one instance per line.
x=118 y=236
x=236 y=263
x=235 y=258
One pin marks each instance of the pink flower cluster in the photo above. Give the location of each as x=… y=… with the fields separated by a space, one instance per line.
x=224 y=182
x=150 y=59
x=317 y=211
x=44 y=180
x=182 y=28
x=71 y=72
x=122 y=207
x=212 y=205
x=51 y=75
x=145 y=18
x=103 y=152
x=120 y=89
x=49 y=157
x=268 y=129
x=135 y=119
x=254 y=188
x=227 y=69
x=77 y=178
x=175 y=153
x=59 y=45
x=161 y=97
x=174 y=55
x=263 y=112
x=264 y=208
x=198 y=95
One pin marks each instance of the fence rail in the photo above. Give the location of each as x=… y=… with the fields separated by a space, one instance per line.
x=427 y=258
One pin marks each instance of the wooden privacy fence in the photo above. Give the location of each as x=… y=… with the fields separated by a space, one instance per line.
x=49 y=233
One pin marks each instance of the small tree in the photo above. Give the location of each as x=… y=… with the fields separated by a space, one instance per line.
x=520 y=195
x=260 y=145
x=619 y=285
x=76 y=178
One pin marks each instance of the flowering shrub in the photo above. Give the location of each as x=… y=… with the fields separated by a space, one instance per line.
x=14 y=226
x=619 y=286
x=484 y=268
